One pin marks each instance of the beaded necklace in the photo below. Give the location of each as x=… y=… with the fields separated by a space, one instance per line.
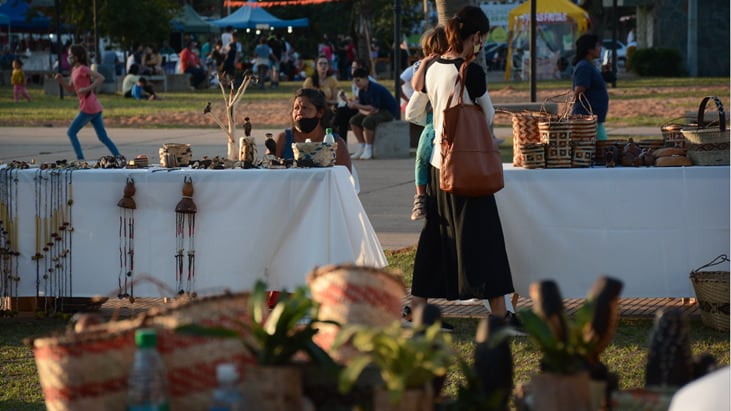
x=126 y=241
x=185 y=212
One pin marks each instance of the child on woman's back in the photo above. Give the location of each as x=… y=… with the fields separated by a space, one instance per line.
x=433 y=43
x=19 y=81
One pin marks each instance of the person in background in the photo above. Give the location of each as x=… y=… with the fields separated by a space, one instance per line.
x=231 y=56
x=83 y=82
x=110 y=59
x=133 y=78
x=190 y=63
x=433 y=44
x=323 y=80
x=138 y=90
x=344 y=113
x=274 y=62
x=151 y=61
x=227 y=36
x=310 y=117
x=375 y=105
x=461 y=250
x=262 y=55
x=17 y=78
x=590 y=88
x=216 y=58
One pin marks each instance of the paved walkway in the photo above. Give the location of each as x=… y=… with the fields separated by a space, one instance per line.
x=387 y=186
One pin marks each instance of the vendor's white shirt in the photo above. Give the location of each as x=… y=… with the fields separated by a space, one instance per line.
x=440 y=79
x=708 y=393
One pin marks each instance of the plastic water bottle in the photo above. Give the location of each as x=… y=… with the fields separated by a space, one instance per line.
x=227 y=396
x=147 y=384
x=329 y=137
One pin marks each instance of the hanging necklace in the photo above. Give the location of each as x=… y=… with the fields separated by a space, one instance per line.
x=9 y=250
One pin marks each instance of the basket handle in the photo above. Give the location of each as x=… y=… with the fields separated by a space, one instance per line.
x=719 y=106
x=716 y=261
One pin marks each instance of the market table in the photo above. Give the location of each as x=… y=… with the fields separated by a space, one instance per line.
x=649 y=227
x=252 y=224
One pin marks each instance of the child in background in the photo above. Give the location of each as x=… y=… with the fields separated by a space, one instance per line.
x=433 y=43
x=83 y=82
x=17 y=78
x=138 y=90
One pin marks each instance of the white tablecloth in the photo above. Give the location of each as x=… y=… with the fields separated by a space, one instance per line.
x=649 y=227
x=271 y=224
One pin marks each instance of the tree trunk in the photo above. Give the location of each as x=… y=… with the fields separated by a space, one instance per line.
x=448 y=8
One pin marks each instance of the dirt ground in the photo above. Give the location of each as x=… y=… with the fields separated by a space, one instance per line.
x=623 y=104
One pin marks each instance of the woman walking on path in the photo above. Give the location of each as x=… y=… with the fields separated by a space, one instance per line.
x=461 y=250
x=83 y=82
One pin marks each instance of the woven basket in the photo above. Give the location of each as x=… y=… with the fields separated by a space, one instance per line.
x=315 y=154
x=672 y=135
x=525 y=131
x=709 y=154
x=651 y=143
x=175 y=155
x=583 y=127
x=708 y=133
x=583 y=154
x=533 y=155
x=556 y=135
x=88 y=370
x=712 y=292
x=350 y=294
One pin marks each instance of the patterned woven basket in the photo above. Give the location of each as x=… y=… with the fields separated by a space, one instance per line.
x=583 y=127
x=708 y=133
x=712 y=292
x=556 y=135
x=314 y=154
x=533 y=155
x=583 y=153
x=175 y=155
x=672 y=135
x=709 y=154
x=651 y=143
x=525 y=131
x=350 y=294
x=88 y=370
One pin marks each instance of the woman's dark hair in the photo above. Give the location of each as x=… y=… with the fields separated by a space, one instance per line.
x=317 y=98
x=584 y=44
x=134 y=69
x=79 y=52
x=468 y=20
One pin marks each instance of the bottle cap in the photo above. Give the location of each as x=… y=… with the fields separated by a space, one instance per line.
x=146 y=338
x=328 y=131
x=226 y=372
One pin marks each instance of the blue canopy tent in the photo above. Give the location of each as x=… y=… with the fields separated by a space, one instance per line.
x=191 y=22
x=17 y=13
x=253 y=17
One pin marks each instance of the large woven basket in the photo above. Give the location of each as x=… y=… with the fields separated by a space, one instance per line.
x=88 y=370
x=350 y=294
x=706 y=133
x=712 y=293
x=525 y=131
x=709 y=154
x=556 y=135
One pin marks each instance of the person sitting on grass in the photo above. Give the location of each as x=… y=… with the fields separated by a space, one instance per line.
x=131 y=79
x=138 y=90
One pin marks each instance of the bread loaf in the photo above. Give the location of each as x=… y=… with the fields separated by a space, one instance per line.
x=673 y=161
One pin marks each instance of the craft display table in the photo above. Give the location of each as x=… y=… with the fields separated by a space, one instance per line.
x=649 y=227
x=275 y=225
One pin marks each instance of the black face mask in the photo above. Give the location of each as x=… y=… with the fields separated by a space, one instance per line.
x=306 y=125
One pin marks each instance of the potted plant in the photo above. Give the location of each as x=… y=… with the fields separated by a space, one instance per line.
x=571 y=346
x=280 y=341
x=407 y=359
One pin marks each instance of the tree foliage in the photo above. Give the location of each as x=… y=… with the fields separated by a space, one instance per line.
x=126 y=22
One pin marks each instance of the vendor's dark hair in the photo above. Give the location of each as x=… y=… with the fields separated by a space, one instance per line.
x=317 y=98
x=468 y=20
x=584 y=44
x=80 y=53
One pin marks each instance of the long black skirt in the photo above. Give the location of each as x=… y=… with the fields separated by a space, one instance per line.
x=461 y=251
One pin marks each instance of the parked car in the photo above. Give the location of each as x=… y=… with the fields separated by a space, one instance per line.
x=607 y=52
